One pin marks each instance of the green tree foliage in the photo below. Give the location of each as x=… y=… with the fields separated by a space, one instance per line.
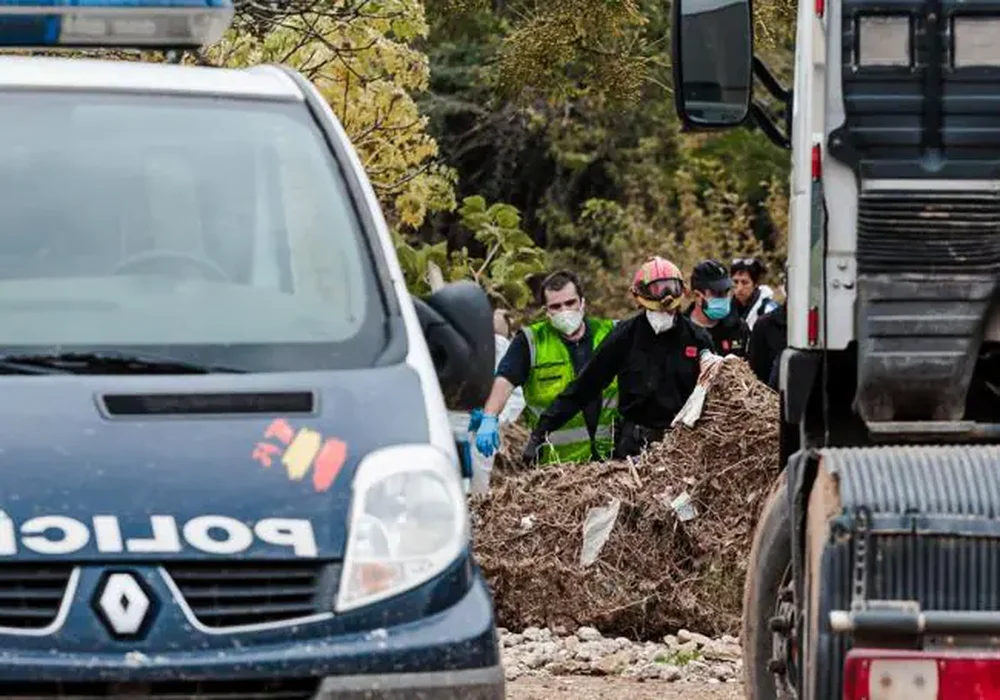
x=603 y=180
x=364 y=57
x=561 y=46
x=510 y=258
x=611 y=47
x=360 y=54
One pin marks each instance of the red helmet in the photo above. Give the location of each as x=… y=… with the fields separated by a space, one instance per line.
x=658 y=285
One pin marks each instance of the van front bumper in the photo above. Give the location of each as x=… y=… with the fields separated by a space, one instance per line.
x=451 y=654
x=468 y=684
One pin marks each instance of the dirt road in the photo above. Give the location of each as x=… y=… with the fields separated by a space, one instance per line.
x=609 y=688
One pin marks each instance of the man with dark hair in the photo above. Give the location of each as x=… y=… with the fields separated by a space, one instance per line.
x=543 y=359
x=713 y=308
x=753 y=299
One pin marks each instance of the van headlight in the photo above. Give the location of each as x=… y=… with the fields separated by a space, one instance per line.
x=408 y=523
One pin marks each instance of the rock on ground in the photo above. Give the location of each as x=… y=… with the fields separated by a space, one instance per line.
x=684 y=657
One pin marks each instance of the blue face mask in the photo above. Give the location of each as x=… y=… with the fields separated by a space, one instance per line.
x=718 y=308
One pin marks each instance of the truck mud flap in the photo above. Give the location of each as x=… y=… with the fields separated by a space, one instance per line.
x=901 y=544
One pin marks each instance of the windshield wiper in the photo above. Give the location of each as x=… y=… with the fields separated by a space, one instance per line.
x=110 y=362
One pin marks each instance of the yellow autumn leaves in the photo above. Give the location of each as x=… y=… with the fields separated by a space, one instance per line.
x=359 y=54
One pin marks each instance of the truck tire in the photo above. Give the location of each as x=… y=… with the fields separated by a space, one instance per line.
x=768 y=602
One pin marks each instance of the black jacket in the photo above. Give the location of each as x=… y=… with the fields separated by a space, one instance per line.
x=730 y=335
x=763 y=305
x=768 y=339
x=656 y=373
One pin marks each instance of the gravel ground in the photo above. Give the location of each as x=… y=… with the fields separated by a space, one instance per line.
x=544 y=663
x=579 y=688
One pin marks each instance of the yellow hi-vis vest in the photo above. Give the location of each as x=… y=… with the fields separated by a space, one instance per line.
x=551 y=372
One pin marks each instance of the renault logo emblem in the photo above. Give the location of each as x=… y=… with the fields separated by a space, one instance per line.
x=123 y=604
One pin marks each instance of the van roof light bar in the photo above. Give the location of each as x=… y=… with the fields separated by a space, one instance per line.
x=140 y=24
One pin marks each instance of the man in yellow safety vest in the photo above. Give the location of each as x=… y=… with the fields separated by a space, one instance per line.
x=543 y=359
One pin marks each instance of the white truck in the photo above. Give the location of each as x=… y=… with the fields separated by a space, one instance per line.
x=875 y=570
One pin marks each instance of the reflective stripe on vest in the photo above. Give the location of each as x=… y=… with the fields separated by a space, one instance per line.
x=568 y=436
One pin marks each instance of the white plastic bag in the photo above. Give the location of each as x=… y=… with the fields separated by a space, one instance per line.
x=482 y=469
x=459 y=421
x=481 y=466
x=597 y=529
x=691 y=410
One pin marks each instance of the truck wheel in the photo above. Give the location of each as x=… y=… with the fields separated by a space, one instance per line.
x=770 y=650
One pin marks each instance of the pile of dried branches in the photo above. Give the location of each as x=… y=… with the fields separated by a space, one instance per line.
x=656 y=573
x=513 y=438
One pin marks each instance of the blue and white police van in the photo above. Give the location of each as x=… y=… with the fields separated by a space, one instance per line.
x=226 y=466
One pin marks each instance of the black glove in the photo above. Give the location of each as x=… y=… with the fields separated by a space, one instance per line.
x=529 y=455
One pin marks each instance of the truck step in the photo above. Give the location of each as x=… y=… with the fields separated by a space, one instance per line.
x=933 y=430
x=920 y=325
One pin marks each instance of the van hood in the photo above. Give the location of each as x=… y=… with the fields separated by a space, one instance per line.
x=106 y=468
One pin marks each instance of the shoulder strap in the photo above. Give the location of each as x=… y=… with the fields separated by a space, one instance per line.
x=529 y=335
x=605 y=323
x=756 y=311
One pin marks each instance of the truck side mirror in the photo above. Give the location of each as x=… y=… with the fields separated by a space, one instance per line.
x=457 y=322
x=712 y=52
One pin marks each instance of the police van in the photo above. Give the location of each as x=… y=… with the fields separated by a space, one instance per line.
x=226 y=465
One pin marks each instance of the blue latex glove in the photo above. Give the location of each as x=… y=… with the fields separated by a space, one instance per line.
x=475 y=418
x=487 y=437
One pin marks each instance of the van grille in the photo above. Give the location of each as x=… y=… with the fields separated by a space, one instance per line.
x=232 y=595
x=929 y=232
x=32 y=594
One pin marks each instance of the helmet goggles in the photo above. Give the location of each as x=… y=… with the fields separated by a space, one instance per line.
x=660 y=294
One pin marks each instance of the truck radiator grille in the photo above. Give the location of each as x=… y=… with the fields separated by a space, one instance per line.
x=234 y=595
x=31 y=595
x=934 y=535
x=939 y=232
x=942 y=573
x=291 y=689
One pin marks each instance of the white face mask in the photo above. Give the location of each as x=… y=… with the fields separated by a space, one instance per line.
x=567 y=322
x=660 y=321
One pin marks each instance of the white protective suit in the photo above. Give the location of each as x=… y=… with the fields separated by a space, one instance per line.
x=515 y=404
x=482 y=466
x=765 y=303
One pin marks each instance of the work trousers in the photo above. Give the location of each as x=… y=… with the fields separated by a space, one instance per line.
x=632 y=439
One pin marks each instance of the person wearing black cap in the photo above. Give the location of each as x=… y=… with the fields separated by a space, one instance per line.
x=713 y=308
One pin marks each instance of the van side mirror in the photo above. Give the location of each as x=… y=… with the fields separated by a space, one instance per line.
x=457 y=322
x=712 y=52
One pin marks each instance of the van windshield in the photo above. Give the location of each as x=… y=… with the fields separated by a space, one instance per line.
x=209 y=230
